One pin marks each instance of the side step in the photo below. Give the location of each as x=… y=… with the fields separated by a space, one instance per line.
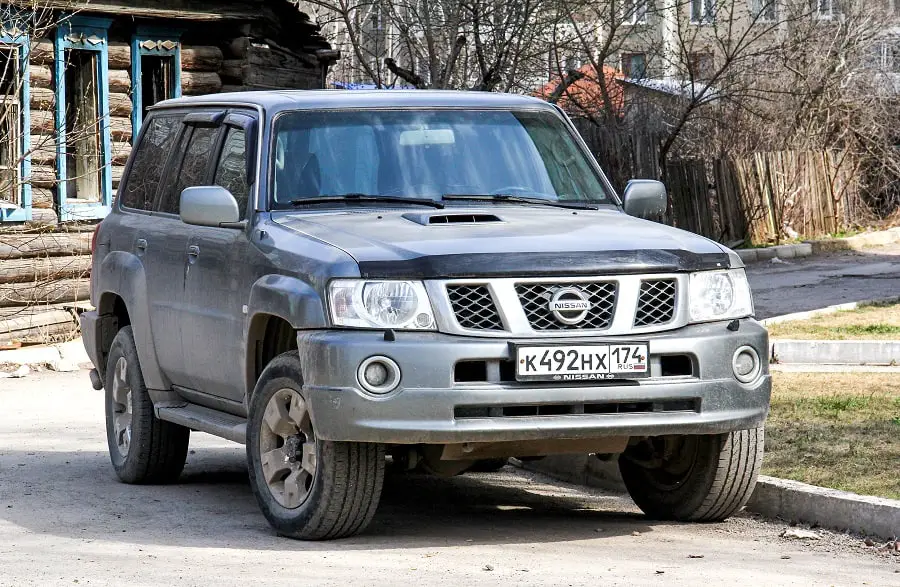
x=196 y=417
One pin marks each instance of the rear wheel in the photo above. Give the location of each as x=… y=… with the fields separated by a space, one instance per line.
x=307 y=488
x=142 y=448
x=702 y=478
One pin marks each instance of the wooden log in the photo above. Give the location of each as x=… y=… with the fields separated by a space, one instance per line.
x=64 y=331
x=42 y=217
x=46 y=317
x=119 y=104
x=120 y=128
x=194 y=83
x=201 y=58
x=25 y=311
x=117 y=172
x=231 y=70
x=42 y=99
x=44 y=269
x=43 y=176
x=120 y=152
x=119 y=55
x=275 y=77
x=45 y=244
x=119 y=81
x=41 y=52
x=41 y=76
x=59 y=290
x=266 y=57
x=41 y=198
x=238 y=47
x=42 y=122
x=43 y=150
x=234 y=88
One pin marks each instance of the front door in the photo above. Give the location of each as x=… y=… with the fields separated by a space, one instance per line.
x=215 y=284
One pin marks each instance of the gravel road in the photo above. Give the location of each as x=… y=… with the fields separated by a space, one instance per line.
x=804 y=284
x=64 y=519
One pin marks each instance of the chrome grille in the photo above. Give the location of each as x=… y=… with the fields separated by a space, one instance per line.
x=656 y=303
x=535 y=299
x=474 y=307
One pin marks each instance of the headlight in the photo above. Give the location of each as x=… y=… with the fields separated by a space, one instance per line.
x=402 y=305
x=719 y=295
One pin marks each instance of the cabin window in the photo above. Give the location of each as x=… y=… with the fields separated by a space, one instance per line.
x=82 y=149
x=10 y=125
x=81 y=77
x=155 y=71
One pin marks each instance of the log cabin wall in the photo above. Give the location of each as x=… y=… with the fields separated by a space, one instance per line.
x=230 y=46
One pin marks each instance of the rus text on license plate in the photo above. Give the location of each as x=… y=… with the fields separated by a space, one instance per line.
x=582 y=362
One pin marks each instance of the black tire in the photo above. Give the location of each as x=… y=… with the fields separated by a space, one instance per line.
x=488 y=465
x=703 y=478
x=156 y=450
x=343 y=492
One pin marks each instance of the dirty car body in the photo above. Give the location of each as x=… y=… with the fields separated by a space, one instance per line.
x=430 y=308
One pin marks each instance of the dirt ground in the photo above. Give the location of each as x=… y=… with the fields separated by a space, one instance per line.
x=65 y=519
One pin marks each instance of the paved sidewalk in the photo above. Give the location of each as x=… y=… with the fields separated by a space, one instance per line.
x=815 y=282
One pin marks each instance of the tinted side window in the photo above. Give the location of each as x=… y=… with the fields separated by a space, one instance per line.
x=149 y=160
x=231 y=172
x=193 y=168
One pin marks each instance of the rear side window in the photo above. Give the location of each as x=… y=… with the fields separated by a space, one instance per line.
x=231 y=172
x=149 y=160
x=193 y=168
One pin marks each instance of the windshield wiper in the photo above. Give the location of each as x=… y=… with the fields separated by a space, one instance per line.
x=366 y=198
x=521 y=199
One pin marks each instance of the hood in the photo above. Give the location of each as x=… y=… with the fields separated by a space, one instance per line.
x=505 y=240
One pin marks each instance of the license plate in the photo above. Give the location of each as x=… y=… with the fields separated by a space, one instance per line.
x=589 y=362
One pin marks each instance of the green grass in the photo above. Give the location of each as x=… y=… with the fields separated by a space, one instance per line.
x=877 y=322
x=839 y=430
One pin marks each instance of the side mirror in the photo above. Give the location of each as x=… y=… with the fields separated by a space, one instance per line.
x=645 y=198
x=209 y=206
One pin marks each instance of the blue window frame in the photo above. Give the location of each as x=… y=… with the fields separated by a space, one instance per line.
x=89 y=35
x=16 y=117
x=164 y=47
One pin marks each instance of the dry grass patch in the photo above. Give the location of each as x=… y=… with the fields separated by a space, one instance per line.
x=880 y=322
x=839 y=430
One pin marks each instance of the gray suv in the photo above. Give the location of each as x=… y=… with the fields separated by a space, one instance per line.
x=345 y=281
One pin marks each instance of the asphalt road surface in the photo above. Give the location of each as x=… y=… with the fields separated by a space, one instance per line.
x=804 y=284
x=65 y=519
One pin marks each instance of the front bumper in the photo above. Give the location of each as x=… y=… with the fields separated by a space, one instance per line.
x=430 y=407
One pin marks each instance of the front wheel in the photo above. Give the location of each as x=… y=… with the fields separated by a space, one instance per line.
x=697 y=478
x=307 y=488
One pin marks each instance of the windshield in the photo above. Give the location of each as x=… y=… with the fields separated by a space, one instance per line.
x=430 y=154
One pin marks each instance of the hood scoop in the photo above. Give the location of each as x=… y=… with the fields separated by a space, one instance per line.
x=427 y=219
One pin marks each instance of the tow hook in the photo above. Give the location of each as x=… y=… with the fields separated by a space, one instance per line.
x=95 y=380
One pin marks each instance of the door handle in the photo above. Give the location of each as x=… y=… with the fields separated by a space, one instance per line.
x=193 y=252
x=141 y=244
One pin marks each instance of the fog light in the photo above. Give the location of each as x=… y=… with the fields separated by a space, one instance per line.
x=378 y=375
x=746 y=364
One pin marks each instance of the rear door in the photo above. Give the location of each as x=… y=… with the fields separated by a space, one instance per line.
x=188 y=165
x=216 y=286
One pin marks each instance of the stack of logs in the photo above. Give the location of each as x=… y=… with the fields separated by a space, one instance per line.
x=44 y=283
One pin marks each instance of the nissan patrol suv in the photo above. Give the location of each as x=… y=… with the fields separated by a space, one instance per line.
x=435 y=279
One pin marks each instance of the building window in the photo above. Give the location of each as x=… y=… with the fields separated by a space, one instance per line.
x=701 y=65
x=703 y=11
x=15 y=158
x=635 y=11
x=826 y=9
x=155 y=70
x=634 y=65
x=82 y=115
x=763 y=10
x=887 y=55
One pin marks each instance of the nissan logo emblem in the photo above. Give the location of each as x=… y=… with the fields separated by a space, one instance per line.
x=569 y=305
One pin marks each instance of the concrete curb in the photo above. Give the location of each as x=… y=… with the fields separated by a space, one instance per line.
x=58 y=357
x=828 y=310
x=817 y=247
x=791 y=501
x=837 y=510
x=835 y=352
